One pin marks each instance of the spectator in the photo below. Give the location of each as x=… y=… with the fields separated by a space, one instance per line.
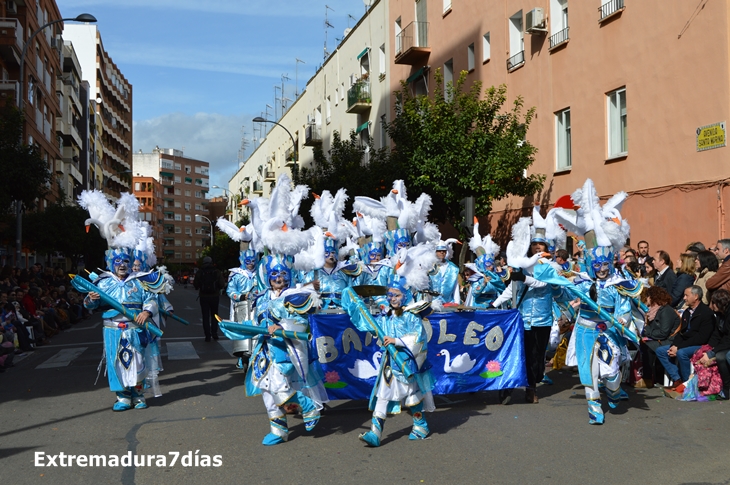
x=685 y=277
x=648 y=271
x=696 y=328
x=209 y=282
x=720 y=340
x=695 y=247
x=643 y=252
x=706 y=265
x=13 y=327
x=661 y=322
x=665 y=276
x=722 y=277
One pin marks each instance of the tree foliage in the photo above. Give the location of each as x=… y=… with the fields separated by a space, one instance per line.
x=224 y=252
x=25 y=175
x=456 y=144
x=357 y=167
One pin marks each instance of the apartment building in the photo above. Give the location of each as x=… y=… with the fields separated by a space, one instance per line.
x=349 y=92
x=112 y=94
x=69 y=130
x=627 y=93
x=18 y=20
x=185 y=183
x=149 y=192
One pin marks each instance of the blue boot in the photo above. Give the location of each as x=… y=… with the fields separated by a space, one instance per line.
x=614 y=391
x=420 y=428
x=124 y=401
x=372 y=437
x=310 y=413
x=595 y=412
x=279 y=432
x=138 y=400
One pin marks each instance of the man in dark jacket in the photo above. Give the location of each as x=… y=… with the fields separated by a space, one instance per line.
x=209 y=282
x=696 y=328
x=721 y=279
x=665 y=275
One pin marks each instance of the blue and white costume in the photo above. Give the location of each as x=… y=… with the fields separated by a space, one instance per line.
x=332 y=281
x=445 y=276
x=242 y=289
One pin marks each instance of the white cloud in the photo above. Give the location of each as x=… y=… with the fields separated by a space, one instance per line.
x=210 y=137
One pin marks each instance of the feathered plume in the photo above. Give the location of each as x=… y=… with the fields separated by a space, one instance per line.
x=233 y=231
x=370 y=207
x=415 y=263
x=298 y=194
x=519 y=245
x=476 y=241
x=311 y=257
x=100 y=211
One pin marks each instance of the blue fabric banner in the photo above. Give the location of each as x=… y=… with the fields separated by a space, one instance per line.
x=468 y=351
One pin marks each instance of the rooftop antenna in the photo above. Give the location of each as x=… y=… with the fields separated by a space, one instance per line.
x=275 y=98
x=348 y=20
x=284 y=77
x=244 y=145
x=268 y=107
x=367 y=4
x=327 y=25
x=296 y=90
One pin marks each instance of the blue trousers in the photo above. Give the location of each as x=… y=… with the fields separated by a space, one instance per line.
x=680 y=370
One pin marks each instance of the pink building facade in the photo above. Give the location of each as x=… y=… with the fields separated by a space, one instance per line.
x=621 y=87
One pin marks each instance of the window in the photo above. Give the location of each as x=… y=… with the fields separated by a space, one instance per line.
x=382 y=60
x=337 y=95
x=187 y=218
x=342 y=91
x=447 y=5
x=178 y=242
x=178 y=204
x=178 y=166
x=187 y=206
x=486 y=47
x=398 y=38
x=383 y=132
x=198 y=243
x=448 y=77
x=558 y=22
x=188 y=231
x=137 y=187
x=470 y=57
x=563 y=154
x=187 y=193
x=178 y=255
x=188 y=256
x=178 y=217
x=198 y=194
x=617 y=124
x=188 y=168
x=188 y=243
x=178 y=230
x=516 y=42
x=328 y=107
x=178 y=192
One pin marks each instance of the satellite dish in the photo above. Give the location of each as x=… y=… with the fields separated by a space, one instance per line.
x=367 y=2
x=347 y=31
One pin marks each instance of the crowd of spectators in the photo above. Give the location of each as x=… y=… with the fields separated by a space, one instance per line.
x=35 y=305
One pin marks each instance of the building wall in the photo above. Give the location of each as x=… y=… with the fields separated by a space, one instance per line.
x=149 y=193
x=113 y=93
x=332 y=81
x=674 y=84
x=184 y=185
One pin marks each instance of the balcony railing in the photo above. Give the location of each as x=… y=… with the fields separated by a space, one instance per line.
x=411 y=44
x=609 y=8
x=290 y=156
x=359 y=98
x=270 y=177
x=516 y=61
x=11 y=37
x=257 y=187
x=313 y=135
x=559 y=38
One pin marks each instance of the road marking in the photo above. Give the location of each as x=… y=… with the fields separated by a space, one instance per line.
x=76 y=329
x=227 y=345
x=63 y=358
x=181 y=351
x=76 y=344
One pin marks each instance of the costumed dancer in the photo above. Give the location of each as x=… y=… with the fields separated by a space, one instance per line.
x=406 y=379
x=242 y=286
x=598 y=342
x=483 y=282
x=445 y=275
x=125 y=339
x=281 y=369
x=533 y=298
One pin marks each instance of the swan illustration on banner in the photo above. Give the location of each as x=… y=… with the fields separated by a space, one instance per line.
x=364 y=369
x=460 y=365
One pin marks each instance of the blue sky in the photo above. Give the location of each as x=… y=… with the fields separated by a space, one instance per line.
x=202 y=69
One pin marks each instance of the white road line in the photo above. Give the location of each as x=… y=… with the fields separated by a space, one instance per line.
x=227 y=345
x=63 y=358
x=181 y=351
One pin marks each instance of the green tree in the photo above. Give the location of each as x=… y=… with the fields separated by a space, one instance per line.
x=357 y=167
x=456 y=145
x=60 y=228
x=224 y=252
x=25 y=175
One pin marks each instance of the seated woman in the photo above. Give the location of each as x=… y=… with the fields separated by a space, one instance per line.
x=720 y=340
x=661 y=322
x=706 y=265
x=685 y=278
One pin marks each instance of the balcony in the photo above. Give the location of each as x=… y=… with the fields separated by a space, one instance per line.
x=610 y=9
x=359 y=99
x=411 y=44
x=515 y=61
x=270 y=177
x=8 y=88
x=291 y=157
x=559 y=38
x=258 y=188
x=11 y=40
x=70 y=168
x=313 y=135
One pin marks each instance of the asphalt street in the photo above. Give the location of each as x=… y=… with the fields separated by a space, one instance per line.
x=50 y=405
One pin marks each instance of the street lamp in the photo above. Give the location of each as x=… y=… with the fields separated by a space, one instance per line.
x=84 y=17
x=259 y=119
x=211 y=227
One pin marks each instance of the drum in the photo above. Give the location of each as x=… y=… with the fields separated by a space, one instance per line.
x=335 y=311
x=241 y=312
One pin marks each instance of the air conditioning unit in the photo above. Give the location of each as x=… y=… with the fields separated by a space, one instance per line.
x=535 y=21
x=12 y=7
